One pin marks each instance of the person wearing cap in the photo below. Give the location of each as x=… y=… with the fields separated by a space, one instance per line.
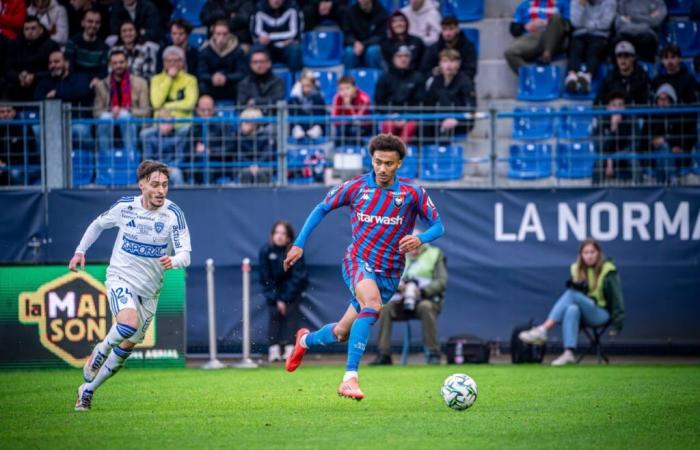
x=626 y=76
x=677 y=75
x=638 y=21
x=591 y=22
x=261 y=87
x=613 y=136
x=451 y=37
x=364 y=25
x=398 y=28
x=540 y=28
x=174 y=88
x=423 y=20
x=398 y=88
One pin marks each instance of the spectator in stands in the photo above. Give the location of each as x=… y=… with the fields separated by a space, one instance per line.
x=17 y=148
x=450 y=37
x=613 y=135
x=593 y=297
x=277 y=26
x=142 y=13
x=671 y=133
x=73 y=88
x=283 y=290
x=638 y=22
x=420 y=296
x=255 y=149
x=539 y=28
x=626 y=76
x=451 y=89
x=397 y=90
x=53 y=17
x=677 y=75
x=142 y=55
x=364 y=25
x=12 y=14
x=236 y=12
x=306 y=100
x=424 y=20
x=261 y=87
x=353 y=102
x=167 y=144
x=86 y=51
x=317 y=12
x=28 y=58
x=120 y=96
x=398 y=36
x=591 y=22
x=174 y=88
x=221 y=64
x=179 y=37
x=212 y=141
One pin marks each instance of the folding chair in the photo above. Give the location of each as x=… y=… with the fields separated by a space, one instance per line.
x=594 y=335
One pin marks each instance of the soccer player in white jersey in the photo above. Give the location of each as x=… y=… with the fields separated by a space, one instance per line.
x=151 y=229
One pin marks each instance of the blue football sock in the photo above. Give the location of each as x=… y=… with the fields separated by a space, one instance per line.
x=359 y=335
x=322 y=336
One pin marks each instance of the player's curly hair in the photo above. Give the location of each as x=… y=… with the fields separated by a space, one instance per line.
x=387 y=143
x=148 y=166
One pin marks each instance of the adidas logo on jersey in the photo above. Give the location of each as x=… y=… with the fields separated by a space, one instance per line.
x=381 y=220
x=131 y=224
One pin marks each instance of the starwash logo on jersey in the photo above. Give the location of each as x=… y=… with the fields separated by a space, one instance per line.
x=72 y=314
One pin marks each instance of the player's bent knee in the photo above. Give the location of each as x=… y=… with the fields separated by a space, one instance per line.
x=128 y=316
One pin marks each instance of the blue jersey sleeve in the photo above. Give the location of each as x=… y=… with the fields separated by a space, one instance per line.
x=429 y=214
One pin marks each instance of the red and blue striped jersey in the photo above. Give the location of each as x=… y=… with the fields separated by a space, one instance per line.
x=380 y=217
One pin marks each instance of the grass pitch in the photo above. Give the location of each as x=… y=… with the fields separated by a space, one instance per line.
x=597 y=407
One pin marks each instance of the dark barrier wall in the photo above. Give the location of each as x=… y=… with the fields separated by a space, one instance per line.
x=508 y=252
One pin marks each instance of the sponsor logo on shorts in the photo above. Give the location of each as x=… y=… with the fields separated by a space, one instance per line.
x=379 y=220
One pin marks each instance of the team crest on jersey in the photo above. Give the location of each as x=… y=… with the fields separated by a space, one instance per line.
x=399 y=199
x=159 y=226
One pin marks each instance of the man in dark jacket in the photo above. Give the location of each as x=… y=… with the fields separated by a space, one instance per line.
x=27 y=59
x=261 y=87
x=364 y=27
x=677 y=75
x=86 y=51
x=221 y=64
x=450 y=37
x=627 y=76
x=277 y=26
x=398 y=36
x=180 y=31
x=396 y=89
x=236 y=12
x=318 y=11
x=614 y=135
x=212 y=141
x=142 y=12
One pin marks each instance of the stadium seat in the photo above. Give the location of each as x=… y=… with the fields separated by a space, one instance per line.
x=287 y=77
x=473 y=36
x=409 y=168
x=197 y=38
x=649 y=68
x=441 y=163
x=188 y=10
x=83 y=167
x=536 y=122
x=366 y=79
x=575 y=159
x=683 y=33
x=117 y=167
x=539 y=83
x=322 y=48
x=679 y=7
x=327 y=82
x=573 y=123
x=530 y=161
x=464 y=10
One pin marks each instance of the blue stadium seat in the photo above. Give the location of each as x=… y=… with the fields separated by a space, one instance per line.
x=473 y=36
x=464 y=10
x=197 y=38
x=188 y=10
x=649 y=68
x=287 y=77
x=679 y=7
x=409 y=168
x=596 y=81
x=366 y=79
x=575 y=159
x=327 y=82
x=117 y=167
x=683 y=33
x=441 y=163
x=83 y=167
x=530 y=161
x=533 y=123
x=539 y=83
x=577 y=125
x=322 y=48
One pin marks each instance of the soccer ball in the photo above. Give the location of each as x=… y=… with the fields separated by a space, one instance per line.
x=459 y=391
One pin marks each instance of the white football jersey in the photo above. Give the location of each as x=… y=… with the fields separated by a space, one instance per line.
x=144 y=236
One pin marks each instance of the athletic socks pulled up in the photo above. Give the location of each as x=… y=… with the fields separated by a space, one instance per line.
x=114 y=362
x=359 y=335
x=321 y=337
x=115 y=336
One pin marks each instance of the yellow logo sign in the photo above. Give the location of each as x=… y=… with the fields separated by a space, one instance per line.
x=72 y=314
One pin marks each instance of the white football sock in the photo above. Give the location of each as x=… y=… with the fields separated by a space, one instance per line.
x=350 y=374
x=114 y=362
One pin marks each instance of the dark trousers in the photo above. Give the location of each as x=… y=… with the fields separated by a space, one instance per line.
x=588 y=50
x=281 y=328
x=530 y=46
x=426 y=311
x=645 y=45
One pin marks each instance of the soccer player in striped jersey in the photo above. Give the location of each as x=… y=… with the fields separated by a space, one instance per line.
x=153 y=237
x=383 y=209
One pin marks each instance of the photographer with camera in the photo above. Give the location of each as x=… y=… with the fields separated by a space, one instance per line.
x=419 y=296
x=593 y=297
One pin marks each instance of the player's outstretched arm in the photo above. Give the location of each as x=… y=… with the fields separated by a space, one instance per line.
x=92 y=232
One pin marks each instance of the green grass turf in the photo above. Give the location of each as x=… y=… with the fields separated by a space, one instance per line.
x=598 y=407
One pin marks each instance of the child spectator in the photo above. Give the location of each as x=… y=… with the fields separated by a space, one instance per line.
x=353 y=102
x=306 y=100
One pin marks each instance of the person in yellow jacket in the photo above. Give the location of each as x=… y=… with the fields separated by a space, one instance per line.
x=174 y=88
x=593 y=296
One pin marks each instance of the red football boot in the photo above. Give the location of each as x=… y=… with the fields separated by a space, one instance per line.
x=294 y=361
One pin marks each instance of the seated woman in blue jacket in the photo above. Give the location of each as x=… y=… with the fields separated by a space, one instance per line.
x=593 y=297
